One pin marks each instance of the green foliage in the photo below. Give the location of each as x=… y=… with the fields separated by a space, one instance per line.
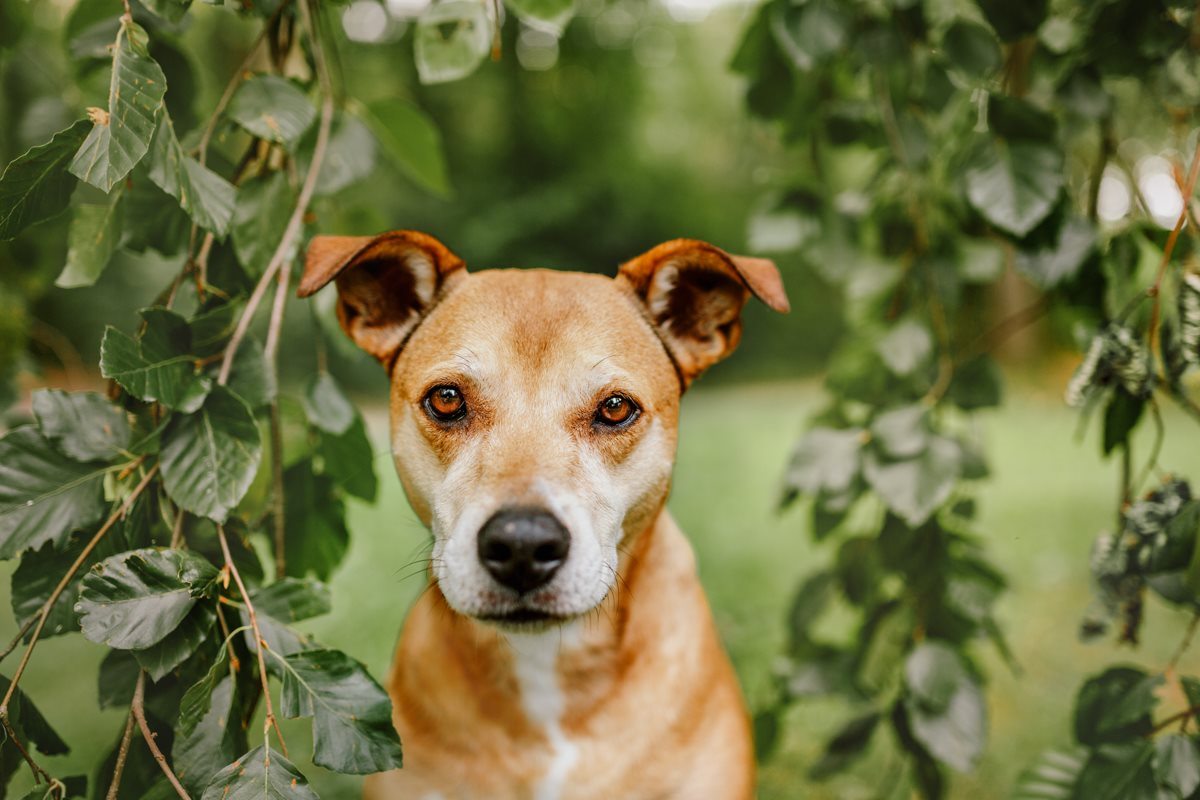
x=944 y=147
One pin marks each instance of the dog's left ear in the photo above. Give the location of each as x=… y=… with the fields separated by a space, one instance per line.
x=385 y=283
x=694 y=293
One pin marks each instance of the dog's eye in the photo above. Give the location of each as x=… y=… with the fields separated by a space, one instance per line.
x=445 y=403
x=616 y=411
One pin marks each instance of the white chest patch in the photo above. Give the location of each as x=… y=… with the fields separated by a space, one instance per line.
x=535 y=657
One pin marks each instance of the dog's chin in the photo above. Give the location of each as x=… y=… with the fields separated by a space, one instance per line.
x=524 y=620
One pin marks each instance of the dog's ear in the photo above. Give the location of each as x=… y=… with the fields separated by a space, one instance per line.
x=385 y=283
x=694 y=293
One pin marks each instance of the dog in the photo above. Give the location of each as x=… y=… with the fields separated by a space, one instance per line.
x=564 y=647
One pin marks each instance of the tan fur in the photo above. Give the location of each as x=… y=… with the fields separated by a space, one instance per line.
x=632 y=696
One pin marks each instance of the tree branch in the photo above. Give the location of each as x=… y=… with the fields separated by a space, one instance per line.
x=138 y=711
x=44 y=614
x=270 y=353
x=261 y=643
x=1155 y=290
x=122 y=754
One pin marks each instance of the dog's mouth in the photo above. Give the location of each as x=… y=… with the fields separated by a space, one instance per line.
x=523 y=618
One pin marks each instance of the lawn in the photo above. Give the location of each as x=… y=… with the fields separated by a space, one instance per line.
x=1050 y=496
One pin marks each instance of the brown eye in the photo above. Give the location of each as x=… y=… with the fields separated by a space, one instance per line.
x=616 y=411
x=445 y=404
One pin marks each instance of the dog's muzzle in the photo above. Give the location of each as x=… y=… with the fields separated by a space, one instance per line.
x=522 y=548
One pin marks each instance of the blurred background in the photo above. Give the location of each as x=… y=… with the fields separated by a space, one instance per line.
x=578 y=153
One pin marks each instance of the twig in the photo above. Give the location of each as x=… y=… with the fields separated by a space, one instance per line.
x=1188 y=635
x=177 y=530
x=17 y=639
x=496 y=42
x=1160 y=434
x=1107 y=145
x=66 y=580
x=122 y=754
x=1004 y=329
x=1182 y=715
x=138 y=711
x=270 y=353
x=296 y=222
x=1155 y=290
x=270 y=722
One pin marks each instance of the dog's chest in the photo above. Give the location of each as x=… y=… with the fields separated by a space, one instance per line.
x=543 y=699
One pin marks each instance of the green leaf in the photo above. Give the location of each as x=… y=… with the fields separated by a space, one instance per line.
x=451 y=40
x=326 y=405
x=31 y=728
x=134 y=600
x=350 y=461
x=810 y=33
x=1115 y=706
x=96 y=229
x=902 y=432
x=264 y=206
x=1015 y=185
x=206 y=196
x=1013 y=19
x=810 y=602
x=261 y=774
x=170 y=10
x=1119 y=773
x=888 y=638
x=197 y=700
x=250 y=376
x=163 y=657
x=153 y=219
x=846 y=746
x=352 y=715
x=1059 y=263
x=272 y=108
x=200 y=754
x=36 y=186
x=905 y=347
x=825 y=460
x=945 y=705
x=548 y=15
x=120 y=140
x=976 y=384
x=82 y=425
x=1121 y=416
x=971 y=49
x=316 y=523
x=1053 y=777
x=350 y=156
x=411 y=139
x=159 y=367
x=293 y=599
x=209 y=458
x=1177 y=764
x=915 y=488
x=44 y=496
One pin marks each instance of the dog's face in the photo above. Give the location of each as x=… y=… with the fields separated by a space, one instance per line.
x=534 y=412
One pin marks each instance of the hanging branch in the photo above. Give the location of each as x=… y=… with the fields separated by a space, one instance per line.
x=138 y=711
x=270 y=354
x=122 y=754
x=261 y=643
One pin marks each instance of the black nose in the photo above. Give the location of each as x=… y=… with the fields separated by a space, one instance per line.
x=522 y=548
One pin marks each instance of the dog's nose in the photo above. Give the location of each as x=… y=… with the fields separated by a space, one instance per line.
x=522 y=548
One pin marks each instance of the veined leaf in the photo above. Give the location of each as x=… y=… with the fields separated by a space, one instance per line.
x=272 y=108
x=1014 y=185
x=261 y=774
x=293 y=599
x=349 y=460
x=44 y=496
x=82 y=425
x=36 y=186
x=209 y=457
x=208 y=747
x=412 y=140
x=945 y=705
x=197 y=700
x=352 y=715
x=159 y=367
x=316 y=527
x=264 y=206
x=121 y=136
x=914 y=488
x=95 y=231
x=162 y=657
x=206 y=196
x=135 y=599
x=1053 y=777
x=326 y=405
x=451 y=40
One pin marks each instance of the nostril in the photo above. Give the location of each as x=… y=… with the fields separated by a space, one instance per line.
x=498 y=551
x=550 y=551
x=523 y=548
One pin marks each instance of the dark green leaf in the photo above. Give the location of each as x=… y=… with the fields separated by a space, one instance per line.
x=160 y=366
x=209 y=746
x=976 y=384
x=971 y=49
x=1119 y=773
x=153 y=220
x=451 y=40
x=826 y=460
x=251 y=377
x=316 y=527
x=1015 y=185
x=272 y=108
x=810 y=33
x=1013 y=19
x=82 y=425
x=96 y=229
x=1051 y=266
x=810 y=602
x=31 y=728
x=198 y=699
x=1115 y=706
x=293 y=599
x=1121 y=415
x=906 y=347
x=945 y=705
x=134 y=600
x=846 y=746
x=858 y=570
x=44 y=496
x=209 y=458
x=206 y=196
x=766 y=733
x=264 y=206
x=327 y=406
x=261 y=774
x=1016 y=119
x=915 y=488
x=412 y=140
x=352 y=715
x=349 y=460
x=349 y=157
x=163 y=657
x=1053 y=777
x=120 y=138
x=36 y=186
x=1177 y=764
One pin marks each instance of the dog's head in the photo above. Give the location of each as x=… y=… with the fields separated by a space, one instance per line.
x=534 y=412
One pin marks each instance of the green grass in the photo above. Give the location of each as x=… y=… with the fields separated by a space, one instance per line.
x=1049 y=497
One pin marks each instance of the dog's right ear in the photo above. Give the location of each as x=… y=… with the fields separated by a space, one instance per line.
x=385 y=283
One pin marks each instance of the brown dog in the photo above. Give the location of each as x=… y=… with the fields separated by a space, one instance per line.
x=565 y=648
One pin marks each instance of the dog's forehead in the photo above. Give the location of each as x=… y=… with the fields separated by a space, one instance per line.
x=533 y=321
